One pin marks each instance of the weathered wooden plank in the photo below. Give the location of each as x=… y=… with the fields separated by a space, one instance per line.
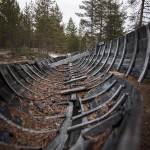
x=73 y=90
x=75 y=79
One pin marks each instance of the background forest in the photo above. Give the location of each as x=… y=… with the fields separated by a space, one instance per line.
x=40 y=25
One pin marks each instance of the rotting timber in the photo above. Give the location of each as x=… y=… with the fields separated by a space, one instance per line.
x=78 y=102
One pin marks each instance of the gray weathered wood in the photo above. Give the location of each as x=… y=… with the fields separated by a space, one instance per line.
x=101 y=67
x=76 y=79
x=134 y=54
x=147 y=59
x=73 y=90
x=123 y=53
x=116 y=52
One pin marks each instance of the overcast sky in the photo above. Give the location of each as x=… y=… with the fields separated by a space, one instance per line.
x=67 y=7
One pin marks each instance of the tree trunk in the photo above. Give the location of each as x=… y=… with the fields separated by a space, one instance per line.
x=141 y=13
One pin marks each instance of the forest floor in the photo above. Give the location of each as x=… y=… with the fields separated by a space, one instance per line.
x=145 y=123
x=17 y=56
x=21 y=55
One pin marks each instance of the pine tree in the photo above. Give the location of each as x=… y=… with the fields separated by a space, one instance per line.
x=49 y=27
x=71 y=28
x=71 y=35
x=88 y=17
x=43 y=23
x=100 y=18
x=28 y=25
x=82 y=36
x=57 y=26
x=114 y=21
x=10 y=19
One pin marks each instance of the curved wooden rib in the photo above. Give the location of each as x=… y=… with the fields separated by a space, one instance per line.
x=99 y=60
x=97 y=71
x=147 y=59
x=99 y=107
x=123 y=53
x=134 y=54
x=94 y=96
x=115 y=107
x=116 y=52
